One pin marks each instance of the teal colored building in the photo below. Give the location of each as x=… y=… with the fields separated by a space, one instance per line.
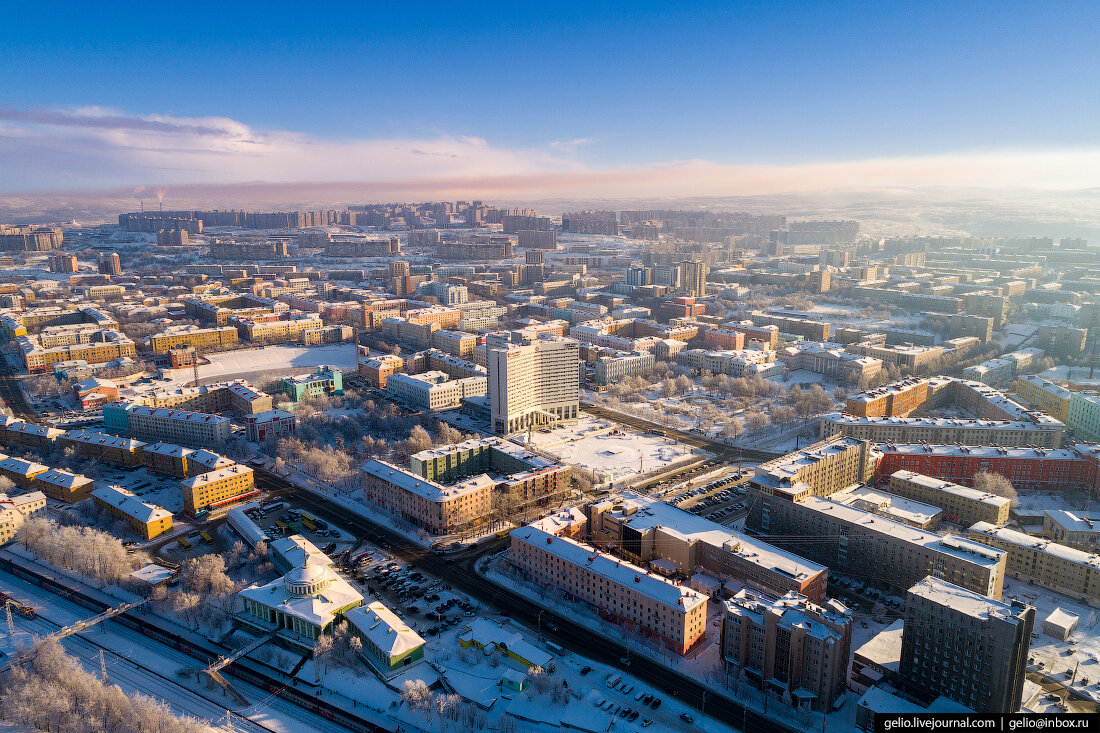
x=324 y=381
x=116 y=416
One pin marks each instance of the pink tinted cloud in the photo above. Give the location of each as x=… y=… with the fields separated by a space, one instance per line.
x=94 y=148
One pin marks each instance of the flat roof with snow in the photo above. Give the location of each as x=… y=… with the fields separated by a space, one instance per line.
x=644 y=513
x=964 y=492
x=1040 y=544
x=959 y=547
x=621 y=573
x=962 y=600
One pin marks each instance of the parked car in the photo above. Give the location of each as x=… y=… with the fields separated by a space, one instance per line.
x=686 y=718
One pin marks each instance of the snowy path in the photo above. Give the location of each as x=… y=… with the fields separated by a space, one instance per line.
x=153 y=666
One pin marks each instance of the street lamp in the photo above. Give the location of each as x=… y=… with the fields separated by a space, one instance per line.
x=540 y=622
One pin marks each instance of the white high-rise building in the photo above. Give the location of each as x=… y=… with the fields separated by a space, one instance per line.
x=533 y=383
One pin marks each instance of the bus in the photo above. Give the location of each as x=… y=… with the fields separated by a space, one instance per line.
x=207 y=538
x=182 y=541
x=503 y=533
x=309 y=521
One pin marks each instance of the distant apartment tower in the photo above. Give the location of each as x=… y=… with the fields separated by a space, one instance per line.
x=694 y=277
x=513 y=223
x=30 y=238
x=538 y=238
x=591 y=222
x=62 y=262
x=172 y=237
x=639 y=276
x=533 y=383
x=966 y=647
x=109 y=263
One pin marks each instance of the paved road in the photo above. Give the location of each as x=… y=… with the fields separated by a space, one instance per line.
x=458 y=570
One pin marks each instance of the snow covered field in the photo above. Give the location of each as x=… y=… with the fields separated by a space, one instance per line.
x=281 y=360
x=611 y=450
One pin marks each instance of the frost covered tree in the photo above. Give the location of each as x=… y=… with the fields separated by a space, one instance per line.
x=54 y=693
x=996 y=484
x=755 y=420
x=322 y=649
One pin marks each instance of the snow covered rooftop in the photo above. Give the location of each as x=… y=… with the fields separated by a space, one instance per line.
x=962 y=600
x=786 y=467
x=1063 y=454
x=884 y=648
x=968 y=550
x=946 y=486
x=235 y=469
x=1073 y=521
x=886 y=504
x=627 y=575
x=957 y=422
x=319 y=609
x=490 y=634
x=22 y=468
x=130 y=505
x=421 y=486
x=644 y=513
x=1041 y=544
x=91 y=437
x=57 y=477
x=383 y=627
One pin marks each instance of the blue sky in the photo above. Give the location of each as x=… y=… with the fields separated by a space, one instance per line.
x=563 y=88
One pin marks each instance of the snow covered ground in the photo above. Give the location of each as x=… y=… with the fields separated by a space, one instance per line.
x=1081 y=653
x=139 y=664
x=703 y=665
x=1075 y=374
x=251 y=363
x=611 y=450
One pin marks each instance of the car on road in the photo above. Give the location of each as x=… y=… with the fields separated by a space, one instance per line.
x=625 y=661
x=585 y=670
x=686 y=718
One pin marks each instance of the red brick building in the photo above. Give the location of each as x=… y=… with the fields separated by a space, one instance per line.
x=1044 y=469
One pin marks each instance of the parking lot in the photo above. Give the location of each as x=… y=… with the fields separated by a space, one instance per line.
x=720 y=500
x=282 y=519
x=627 y=703
x=426 y=603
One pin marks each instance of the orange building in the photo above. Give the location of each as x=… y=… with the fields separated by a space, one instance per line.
x=898 y=399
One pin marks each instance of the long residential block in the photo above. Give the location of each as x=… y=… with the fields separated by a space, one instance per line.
x=615 y=589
